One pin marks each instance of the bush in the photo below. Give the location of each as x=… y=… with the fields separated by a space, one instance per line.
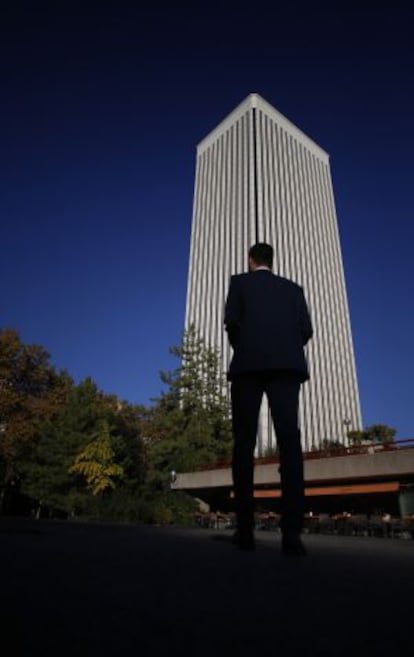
x=140 y=506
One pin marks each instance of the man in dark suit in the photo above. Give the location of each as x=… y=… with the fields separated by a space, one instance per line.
x=268 y=324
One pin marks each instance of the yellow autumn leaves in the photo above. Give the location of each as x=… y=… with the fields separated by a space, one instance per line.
x=96 y=462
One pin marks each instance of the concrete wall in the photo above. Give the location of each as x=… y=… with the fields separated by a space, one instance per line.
x=393 y=463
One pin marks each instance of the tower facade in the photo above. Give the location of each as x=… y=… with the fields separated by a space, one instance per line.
x=260 y=179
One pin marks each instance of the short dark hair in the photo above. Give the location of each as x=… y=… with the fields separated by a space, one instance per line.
x=262 y=254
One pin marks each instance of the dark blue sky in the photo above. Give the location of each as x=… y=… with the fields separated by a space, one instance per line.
x=101 y=113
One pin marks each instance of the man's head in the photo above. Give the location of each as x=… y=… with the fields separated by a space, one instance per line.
x=260 y=255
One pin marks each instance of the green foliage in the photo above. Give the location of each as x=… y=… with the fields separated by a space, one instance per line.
x=380 y=433
x=127 y=423
x=166 y=507
x=189 y=424
x=31 y=391
x=375 y=433
x=332 y=444
x=356 y=437
x=76 y=452
x=80 y=429
x=271 y=452
x=46 y=475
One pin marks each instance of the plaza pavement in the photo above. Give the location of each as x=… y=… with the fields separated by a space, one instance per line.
x=75 y=589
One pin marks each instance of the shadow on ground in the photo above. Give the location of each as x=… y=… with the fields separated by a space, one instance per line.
x=71 y=588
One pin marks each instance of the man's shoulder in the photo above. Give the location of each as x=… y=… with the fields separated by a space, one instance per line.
x=278 y=280
x=288 y=283
x=254 y=277
x=239 y=277
x=238 y=281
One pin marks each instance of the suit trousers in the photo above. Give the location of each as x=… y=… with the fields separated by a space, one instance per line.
x=282 y=390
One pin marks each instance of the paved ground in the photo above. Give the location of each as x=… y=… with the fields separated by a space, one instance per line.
x=74 y=589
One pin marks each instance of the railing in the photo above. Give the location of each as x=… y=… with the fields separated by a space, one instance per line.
x=327 y=452
x=351 y=450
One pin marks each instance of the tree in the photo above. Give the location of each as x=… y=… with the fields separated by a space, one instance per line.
x=70 y=450
x=189 y=424
x=95 y=462
x=356 y=437
x=30 y=392
x=375 y=433
x=46 y=476
x=127 y=422
x=380 y=433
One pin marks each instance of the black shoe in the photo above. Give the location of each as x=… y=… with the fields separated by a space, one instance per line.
x=292 y=546
x=244 y=540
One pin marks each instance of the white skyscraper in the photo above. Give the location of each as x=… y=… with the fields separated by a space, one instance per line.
x=260 y=179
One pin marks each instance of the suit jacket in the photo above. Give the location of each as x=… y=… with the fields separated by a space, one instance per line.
x=268 y=323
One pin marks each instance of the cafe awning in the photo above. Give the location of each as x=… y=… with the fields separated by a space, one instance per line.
x=317 y=491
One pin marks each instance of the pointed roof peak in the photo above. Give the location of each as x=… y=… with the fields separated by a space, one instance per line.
x=256 y=101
